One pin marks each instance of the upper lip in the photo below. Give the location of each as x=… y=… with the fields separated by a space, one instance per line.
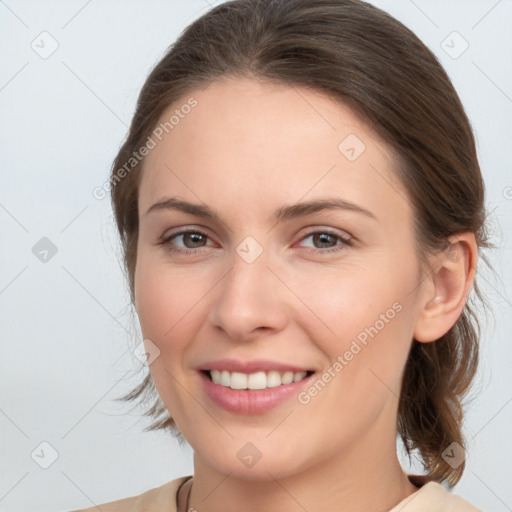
x=253 y=366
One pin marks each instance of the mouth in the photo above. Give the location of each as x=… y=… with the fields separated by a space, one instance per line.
x=253 y=386
x=255 y=381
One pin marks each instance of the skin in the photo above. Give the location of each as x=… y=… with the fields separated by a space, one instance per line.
x=246 y=149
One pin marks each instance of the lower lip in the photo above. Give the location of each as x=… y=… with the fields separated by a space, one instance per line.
x=251 y=401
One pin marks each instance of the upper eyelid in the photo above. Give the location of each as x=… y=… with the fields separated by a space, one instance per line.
x=205 y=230
x=184 y=231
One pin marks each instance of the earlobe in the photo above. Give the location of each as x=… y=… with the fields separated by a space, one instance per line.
x=448 y=288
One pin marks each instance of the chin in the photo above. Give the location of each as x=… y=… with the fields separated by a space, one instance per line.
x=261 y=461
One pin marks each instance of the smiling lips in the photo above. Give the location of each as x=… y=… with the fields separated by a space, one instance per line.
x=251 y=387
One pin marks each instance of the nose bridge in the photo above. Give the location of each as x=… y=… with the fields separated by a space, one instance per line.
x=249 y=296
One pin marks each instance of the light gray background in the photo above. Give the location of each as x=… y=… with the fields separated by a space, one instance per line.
x=65 y=350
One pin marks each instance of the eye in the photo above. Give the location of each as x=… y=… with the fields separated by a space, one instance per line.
x=326 y=238
x=192 y=238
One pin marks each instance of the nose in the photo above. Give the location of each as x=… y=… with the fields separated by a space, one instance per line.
x=250 y=298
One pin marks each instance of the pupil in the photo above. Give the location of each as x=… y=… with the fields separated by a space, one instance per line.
x=196 y=236
x=323 y=237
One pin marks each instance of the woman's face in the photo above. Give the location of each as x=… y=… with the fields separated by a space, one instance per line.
x=332 y=291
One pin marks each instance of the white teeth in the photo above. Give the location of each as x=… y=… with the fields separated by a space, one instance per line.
x=299 y=376
x=224 y=378
x=273 y=379
x=258 y=380
x=238 y=381
x=287 y=378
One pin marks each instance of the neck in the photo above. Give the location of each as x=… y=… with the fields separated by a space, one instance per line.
x=363 y=477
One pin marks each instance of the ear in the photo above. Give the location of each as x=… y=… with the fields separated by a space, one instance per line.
x=446 y=289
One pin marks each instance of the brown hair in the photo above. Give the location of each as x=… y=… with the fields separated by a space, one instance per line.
x=369 y=61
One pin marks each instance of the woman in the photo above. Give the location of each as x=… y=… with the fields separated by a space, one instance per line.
x=301 y=210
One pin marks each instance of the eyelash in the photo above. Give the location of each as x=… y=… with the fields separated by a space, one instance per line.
x=345 y=241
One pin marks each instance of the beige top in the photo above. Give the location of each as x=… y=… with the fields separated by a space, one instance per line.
x=431 y=497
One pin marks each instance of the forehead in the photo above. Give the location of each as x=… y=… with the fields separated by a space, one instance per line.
x=255 y=142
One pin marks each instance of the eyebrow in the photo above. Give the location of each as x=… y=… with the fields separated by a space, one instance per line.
x=286 y=212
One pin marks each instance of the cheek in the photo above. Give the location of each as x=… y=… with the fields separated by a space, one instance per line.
x=163 y=303
x=152 y=302
x=343 y=302
x=365 y=316
x=162 y=298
